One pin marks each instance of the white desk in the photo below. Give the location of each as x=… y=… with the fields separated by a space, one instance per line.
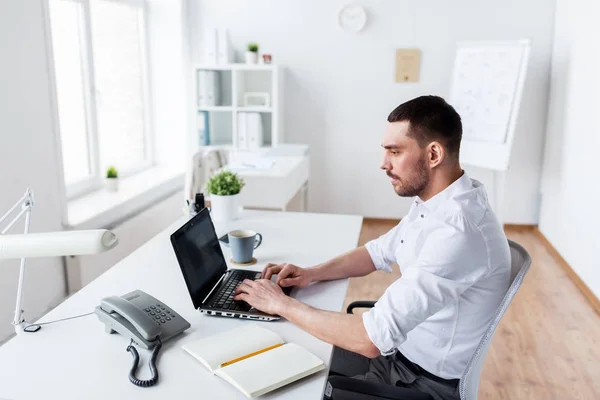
x=76 y=359
x=287 y=177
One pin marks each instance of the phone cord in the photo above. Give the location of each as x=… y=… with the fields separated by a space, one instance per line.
x=136 y=359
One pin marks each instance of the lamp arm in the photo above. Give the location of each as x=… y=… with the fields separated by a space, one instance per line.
x=26 y=203
x=15 y=219
x=21 y=201
x=19 y=321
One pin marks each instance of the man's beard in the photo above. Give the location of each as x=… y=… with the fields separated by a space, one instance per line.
x=417 y=183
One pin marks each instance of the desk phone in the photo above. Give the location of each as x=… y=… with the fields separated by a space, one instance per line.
x=143 y=319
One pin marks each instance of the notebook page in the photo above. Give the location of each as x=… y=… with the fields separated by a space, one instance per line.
x=268 y=371
x=214 y=350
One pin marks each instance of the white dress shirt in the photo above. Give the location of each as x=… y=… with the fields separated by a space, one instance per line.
x=455 y=265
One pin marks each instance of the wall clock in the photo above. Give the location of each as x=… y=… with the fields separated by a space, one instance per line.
x=352 y=18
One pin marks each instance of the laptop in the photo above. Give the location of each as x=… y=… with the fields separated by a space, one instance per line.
x=210 y=284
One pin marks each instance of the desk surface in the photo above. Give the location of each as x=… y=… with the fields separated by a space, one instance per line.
x=282 y=181
x=76 y=359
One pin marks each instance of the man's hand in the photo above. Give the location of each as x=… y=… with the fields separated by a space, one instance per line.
x=262 y=294
x=288 y=275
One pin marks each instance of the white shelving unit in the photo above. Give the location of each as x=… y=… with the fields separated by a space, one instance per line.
x=232 y=82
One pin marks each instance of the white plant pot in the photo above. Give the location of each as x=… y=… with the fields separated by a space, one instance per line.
x=224 y=208
x=111 y=184
x=251 y=57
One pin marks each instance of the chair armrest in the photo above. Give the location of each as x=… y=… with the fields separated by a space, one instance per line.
x=359 y=304
x=371 y=389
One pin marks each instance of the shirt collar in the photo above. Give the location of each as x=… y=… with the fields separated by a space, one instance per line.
x=460 y=185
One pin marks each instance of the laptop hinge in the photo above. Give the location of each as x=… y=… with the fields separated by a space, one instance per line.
x=214 y=287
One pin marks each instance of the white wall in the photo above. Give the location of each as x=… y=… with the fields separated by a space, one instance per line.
x=167 y=79
x=339 y=87
x=570 y=216
x=28 y=155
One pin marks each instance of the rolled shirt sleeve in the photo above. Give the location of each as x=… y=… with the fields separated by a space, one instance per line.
x=452 y=259
x=382 y=250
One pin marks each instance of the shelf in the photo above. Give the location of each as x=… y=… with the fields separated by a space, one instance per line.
x=255 y=109
x=215 y=108
x=219 y=124
x=236 y=67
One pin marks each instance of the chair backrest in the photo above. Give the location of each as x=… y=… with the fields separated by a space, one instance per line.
x=203 y=165
x=520 y=263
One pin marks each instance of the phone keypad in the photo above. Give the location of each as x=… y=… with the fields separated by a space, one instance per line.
x=160 y=314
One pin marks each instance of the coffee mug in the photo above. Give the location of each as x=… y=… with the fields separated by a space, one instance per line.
x=242 y=243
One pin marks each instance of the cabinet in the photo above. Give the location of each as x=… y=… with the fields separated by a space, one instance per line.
x=238 y=105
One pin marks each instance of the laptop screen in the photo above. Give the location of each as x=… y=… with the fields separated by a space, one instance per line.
x=199 y=255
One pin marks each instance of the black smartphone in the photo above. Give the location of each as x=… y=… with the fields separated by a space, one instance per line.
x=224 y=239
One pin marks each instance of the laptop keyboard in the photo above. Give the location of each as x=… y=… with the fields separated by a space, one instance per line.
x=224 y=297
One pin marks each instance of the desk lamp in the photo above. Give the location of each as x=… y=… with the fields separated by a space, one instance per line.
x=47 y=244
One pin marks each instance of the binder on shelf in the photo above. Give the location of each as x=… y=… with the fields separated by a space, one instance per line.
x=208 y=88
x=203 y=126
x=254 y=130
x=242 y=131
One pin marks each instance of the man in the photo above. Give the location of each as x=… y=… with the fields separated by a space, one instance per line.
x=452 y=253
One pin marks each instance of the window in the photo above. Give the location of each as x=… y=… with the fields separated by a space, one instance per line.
x=100 y=68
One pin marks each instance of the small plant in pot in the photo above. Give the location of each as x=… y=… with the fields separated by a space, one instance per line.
x=224 y=188
x=112 y=179
x=252 y=53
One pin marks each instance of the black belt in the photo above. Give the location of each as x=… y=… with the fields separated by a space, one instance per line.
x=417 y=370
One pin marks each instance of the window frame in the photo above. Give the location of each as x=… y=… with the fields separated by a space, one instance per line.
x=95 y=181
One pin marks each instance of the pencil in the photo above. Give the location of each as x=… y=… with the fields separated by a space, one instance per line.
x=250 y=355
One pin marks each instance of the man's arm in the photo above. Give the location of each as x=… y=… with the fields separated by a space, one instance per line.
x=353 y=263
x=343 y=330
x=376 y=254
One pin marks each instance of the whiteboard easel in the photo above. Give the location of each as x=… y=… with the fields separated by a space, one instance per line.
x=486 y=90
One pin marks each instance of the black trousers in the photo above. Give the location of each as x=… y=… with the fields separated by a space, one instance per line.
x=395 y=370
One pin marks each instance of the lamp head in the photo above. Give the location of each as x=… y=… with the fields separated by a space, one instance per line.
x=53 y=244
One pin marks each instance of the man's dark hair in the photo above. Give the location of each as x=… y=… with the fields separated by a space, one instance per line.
x=431 y=118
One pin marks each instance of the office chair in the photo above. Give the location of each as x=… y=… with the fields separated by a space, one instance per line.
x=202 y=166
x=469 y=382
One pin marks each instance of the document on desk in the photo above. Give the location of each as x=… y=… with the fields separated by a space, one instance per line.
x=254 y=359
x=255 y=164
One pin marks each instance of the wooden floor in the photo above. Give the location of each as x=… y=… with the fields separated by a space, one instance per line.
x=548 y=343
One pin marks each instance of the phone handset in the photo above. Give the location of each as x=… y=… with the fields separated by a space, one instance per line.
x=145 y=326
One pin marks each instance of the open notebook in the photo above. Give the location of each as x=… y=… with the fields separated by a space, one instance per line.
x=253 y=359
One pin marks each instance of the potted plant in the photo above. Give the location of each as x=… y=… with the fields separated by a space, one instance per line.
x=224 y=188
x=112 y=179
x=252 y=53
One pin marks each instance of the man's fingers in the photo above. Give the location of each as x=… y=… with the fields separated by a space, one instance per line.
x=287 y=271
x=270 y=270
x=242 y=297
x=265 y=269
x=289 y=282
x=242 y=288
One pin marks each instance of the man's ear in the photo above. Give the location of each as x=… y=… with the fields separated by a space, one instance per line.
x=435 y=154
